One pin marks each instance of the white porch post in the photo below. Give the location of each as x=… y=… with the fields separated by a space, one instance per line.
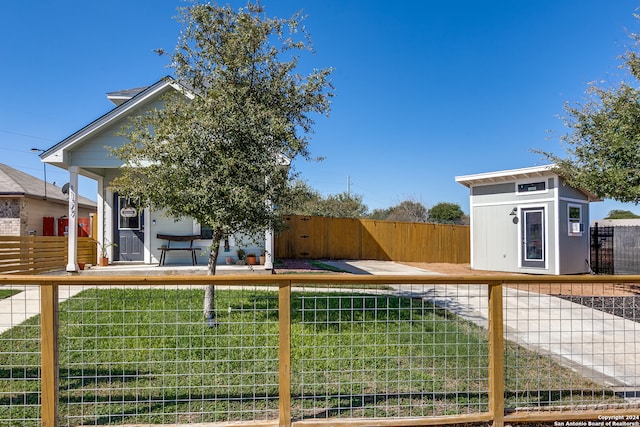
x=269 y=248
x=101 y=215
x=72 y=252
x=107 y=233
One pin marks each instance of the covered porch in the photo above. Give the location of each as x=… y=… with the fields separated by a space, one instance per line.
x=127 y=232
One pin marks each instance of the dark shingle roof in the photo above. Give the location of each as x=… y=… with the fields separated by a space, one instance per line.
x=121 y=96
x=15 y=182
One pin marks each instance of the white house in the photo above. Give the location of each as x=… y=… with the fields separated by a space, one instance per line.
x=86 y=153
x=528 y=221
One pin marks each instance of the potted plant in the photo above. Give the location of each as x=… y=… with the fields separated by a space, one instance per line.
x=241 y=256
x=251 y=259
x=104 y=255
x=262 y=258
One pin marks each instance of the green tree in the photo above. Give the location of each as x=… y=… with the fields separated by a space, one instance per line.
x=446 y=213
x=603 y=142
x=343 y=205
x=621 y=214
x=216 y=155
x=381 y=214
x=407 y=211
x=305 y=200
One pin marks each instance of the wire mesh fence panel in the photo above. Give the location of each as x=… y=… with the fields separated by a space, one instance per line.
x=395 y=351
x=19 y=356
x=571 y=346
x=134 y=355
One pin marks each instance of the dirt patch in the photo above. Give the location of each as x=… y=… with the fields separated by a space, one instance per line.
x=452 y=269
x=290 y=266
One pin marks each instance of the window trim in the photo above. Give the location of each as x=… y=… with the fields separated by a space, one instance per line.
x=544 y=181
x=570 y=221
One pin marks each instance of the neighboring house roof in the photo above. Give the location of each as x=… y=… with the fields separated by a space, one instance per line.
x=514 y=175
x=17 y=183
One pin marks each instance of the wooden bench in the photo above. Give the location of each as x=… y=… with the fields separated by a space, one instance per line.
x=173 y=238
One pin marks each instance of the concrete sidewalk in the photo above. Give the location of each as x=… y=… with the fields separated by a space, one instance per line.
x=26 y=304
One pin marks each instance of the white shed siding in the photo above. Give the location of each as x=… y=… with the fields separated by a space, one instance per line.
x=496 y=238
x=495 y=246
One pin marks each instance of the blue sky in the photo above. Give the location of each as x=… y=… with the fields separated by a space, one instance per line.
x=425 y=90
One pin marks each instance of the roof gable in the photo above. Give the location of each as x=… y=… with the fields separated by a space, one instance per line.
x=57 y=154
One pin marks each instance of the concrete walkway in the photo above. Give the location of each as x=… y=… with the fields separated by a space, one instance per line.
x=26 y=304
x=601 y=346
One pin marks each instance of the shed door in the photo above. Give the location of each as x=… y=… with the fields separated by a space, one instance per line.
x=129 y=230
x=534 y=246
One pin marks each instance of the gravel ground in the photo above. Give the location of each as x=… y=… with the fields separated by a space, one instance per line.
x=622 y=306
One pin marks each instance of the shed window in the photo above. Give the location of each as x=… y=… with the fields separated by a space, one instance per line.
x=574 y=218
x=532 y=186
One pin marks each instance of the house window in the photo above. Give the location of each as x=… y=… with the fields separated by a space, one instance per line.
x=574 y=219
x=206 y=233
x=532 y=186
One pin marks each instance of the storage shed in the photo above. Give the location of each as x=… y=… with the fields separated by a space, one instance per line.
x=528 y=221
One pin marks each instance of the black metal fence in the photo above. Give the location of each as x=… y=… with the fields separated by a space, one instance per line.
x=615 y=250
x=602 y=250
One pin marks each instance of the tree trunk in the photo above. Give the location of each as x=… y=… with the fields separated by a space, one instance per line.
x=210 y=290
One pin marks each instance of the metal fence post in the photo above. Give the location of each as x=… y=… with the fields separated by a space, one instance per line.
x=284 y=352
x=49 y=356
x=496 y=354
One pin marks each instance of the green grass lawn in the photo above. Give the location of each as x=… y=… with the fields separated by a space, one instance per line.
x=146 y=356
x=7 y=293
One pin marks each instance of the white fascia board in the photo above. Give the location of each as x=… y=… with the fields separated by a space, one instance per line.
x=505 y=175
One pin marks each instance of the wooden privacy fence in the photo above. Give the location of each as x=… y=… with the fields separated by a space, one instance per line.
x=348 y=238
x=115 y=353
x=38 y=254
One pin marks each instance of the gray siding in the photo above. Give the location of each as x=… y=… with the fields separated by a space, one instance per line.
x=573 y=248
x=97 y=152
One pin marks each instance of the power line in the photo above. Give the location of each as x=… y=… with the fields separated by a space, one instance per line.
x=26 y=135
